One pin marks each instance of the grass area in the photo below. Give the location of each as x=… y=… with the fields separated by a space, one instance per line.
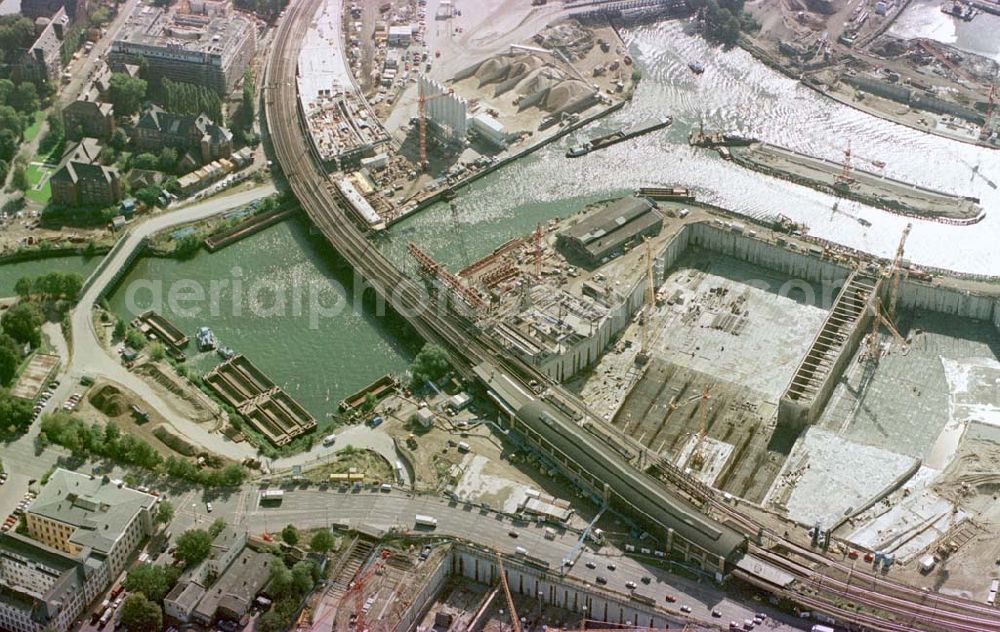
x=34 y=128
x=373 y=466
x=35 y=175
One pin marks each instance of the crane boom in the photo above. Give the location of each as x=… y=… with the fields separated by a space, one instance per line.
x=897 y=271
x=515 y=622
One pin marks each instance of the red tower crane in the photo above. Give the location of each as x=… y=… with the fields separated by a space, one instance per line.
x=356 y=589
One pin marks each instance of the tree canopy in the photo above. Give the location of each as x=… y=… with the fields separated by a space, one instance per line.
x=431 y=364
x=151 y=580
x=290 y=535
x=126 y=93
x=139 y=614
x=193 y=546
x=23 y=323
x=322 y=541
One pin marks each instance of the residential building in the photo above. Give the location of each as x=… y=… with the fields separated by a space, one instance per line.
x=233 y=592
x=224 y=585
x=42 y=61
x=82 y=184
x=88 y=118
x=82 y=530
x=88 y=151
x=209 y=45
x=157 y=129
x=44 y=588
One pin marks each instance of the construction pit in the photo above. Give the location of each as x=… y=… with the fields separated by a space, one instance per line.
x=753 y=366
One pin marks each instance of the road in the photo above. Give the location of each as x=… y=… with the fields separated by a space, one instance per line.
x=88 y=356
x=373 y=511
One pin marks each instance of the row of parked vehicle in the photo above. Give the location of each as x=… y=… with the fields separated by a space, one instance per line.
x=11 y=521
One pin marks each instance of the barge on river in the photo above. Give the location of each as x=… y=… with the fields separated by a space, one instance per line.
x=617 y=136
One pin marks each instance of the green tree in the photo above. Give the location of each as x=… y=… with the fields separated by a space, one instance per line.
x=281 y=579
x=302 y=577
x=193 y=546
x=152 y=581
x=145 y=161
x=24 y=287
x=167 y=160
x=15 y=413
x=217 y=527
x=135 y=339
x=290 y=535
x=119 y=139
x=322 y=541
x=157 y=351
x=119 y=332
x=431 y=364
x=126 y=93
x=25 y=98
x=9 y=361
x=8 y=141
x=147 y=195
x=247 y=107
x=19 y=177
x=139 y=614
x=164 y=511
x=23 y=323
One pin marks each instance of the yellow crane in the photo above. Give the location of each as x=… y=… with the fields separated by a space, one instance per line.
x=646 y=334
x=697 y=456
x=515 y=622
x=883 y=316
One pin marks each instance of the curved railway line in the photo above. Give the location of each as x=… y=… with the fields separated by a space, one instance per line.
x=308 y=181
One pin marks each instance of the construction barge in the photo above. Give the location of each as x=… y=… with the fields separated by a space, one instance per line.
x=378 y=389
x=617 y=136
x=867 y=187
x=265 y=405
x=714 y=139
x=156 y=327
x=668 y=194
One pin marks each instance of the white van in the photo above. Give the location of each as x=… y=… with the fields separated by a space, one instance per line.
x=329 y=440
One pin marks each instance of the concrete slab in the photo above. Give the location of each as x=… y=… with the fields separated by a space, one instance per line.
x=911 y=526
x=828 y=477
x=917 y=401
x=738 y=322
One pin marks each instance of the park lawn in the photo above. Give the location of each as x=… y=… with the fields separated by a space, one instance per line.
x=34 y=128
x=35 y=174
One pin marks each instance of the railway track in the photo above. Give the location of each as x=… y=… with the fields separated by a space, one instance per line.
x=308 y=181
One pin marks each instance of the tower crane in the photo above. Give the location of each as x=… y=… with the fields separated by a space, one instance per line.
x=697 y=457
x=422 y=101
x=882 y=316
x=646 y=334
x=356 y=589
x=515 y=621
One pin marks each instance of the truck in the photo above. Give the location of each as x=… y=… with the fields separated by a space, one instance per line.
x=822 y=628
x=425 y=521
x=550 y=533
x=272 y=496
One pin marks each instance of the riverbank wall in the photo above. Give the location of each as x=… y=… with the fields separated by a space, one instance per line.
x=22 y=256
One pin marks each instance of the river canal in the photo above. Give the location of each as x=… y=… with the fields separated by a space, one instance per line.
x=321 y=365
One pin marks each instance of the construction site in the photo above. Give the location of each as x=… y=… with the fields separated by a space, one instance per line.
x=451 y=585
x=829 y=390
x=851 y=52
x=403 y=125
